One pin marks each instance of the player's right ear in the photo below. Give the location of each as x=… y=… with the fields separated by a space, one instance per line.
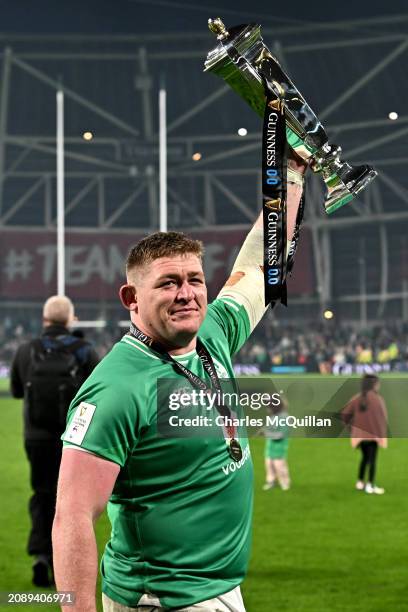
x=127 y=295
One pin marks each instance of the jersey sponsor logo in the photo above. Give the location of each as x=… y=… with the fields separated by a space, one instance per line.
x=80 y=423
x=236 y=465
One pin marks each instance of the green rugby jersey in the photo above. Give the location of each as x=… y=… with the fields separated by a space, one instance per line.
x=181 y=508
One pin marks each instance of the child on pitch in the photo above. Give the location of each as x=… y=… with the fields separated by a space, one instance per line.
x=366 y=415
x=276 y=448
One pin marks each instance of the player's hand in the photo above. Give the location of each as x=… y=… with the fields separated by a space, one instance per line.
x=296 y=162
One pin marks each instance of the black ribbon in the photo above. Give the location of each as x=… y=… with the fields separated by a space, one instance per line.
x=274 y=191
x=296 y=234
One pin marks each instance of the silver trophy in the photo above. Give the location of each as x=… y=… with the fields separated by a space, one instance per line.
x=238 y=59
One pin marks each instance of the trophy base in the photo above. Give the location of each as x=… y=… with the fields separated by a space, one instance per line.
x=342 y=189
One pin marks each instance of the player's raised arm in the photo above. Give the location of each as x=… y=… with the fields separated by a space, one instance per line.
x=246 y=282
x=85 y=484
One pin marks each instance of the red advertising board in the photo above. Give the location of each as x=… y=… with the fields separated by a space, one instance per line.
x=95 y=262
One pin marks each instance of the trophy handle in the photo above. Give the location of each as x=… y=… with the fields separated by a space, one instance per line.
x=238 y=59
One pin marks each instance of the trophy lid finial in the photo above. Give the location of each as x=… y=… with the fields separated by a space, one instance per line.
x=217 y=27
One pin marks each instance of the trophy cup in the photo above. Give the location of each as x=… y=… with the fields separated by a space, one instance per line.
x=246 y=64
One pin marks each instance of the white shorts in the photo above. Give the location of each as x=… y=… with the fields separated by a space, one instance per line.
x=229 y=602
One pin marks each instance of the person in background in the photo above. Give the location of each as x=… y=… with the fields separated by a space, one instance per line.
x=47 y=372
x=364 y=353
x=276 y=449
x=366 y=413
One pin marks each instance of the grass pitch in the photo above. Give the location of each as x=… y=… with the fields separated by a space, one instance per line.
x=320 y=547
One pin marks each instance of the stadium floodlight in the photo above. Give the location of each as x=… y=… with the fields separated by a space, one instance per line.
x=393 y=116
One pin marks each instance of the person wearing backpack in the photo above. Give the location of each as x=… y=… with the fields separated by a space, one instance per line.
x=47 y=372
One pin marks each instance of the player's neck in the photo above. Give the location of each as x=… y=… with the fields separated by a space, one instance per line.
x=185 y=349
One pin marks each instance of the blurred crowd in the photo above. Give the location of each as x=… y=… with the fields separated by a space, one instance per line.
x=316 y=347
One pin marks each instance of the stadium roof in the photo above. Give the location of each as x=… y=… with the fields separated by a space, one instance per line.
x=109 y=58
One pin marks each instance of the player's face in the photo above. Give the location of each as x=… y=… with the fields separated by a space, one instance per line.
x=171 y=298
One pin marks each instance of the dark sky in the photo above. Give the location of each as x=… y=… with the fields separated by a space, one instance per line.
x=127 y=16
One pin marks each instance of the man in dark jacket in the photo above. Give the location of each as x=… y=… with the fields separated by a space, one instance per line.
x=55 y=348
